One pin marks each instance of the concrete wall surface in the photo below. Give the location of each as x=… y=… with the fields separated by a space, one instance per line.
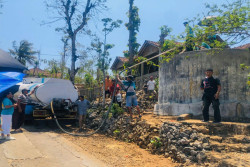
x=180 y=79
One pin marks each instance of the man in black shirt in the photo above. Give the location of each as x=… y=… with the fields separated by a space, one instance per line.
x=212 y=88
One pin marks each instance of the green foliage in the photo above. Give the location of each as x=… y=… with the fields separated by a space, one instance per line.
x=116 y=110
x=156 y=84
x=54 y=67
x=133 y=27
x=79 y=80
x=24 y=52
x=169 y=44
x=156 y=141
x=103 y=54
x=245 y=67
x=165 y=31
x=116 y=132
x=230 y=20
x=89 y=80
x=110 y=25
x=41 y=75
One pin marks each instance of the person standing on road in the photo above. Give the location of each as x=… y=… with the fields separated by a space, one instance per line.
x=151 y=86
x=131 y=98
x=7 y=111
x=83 y=106
x=19 y=114
x=211 y=88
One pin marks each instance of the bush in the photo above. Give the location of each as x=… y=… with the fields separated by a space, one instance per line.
x=116 y=110
x=156 y=141
x=116 y=132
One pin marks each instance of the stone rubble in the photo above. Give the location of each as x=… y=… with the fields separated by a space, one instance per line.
x=180 y=142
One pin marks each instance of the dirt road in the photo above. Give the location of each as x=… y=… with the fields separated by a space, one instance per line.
x=40 y=149
x=45 y=147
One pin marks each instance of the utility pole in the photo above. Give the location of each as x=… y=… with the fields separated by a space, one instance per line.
x=39 y=58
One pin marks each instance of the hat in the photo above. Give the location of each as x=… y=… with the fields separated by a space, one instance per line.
x=25 y=90
x=130 y=76
x=210 y=69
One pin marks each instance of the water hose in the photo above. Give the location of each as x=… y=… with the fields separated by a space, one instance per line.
x=103 y=122
x=110 y=105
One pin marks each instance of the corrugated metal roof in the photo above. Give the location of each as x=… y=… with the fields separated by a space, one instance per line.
x=145 y=45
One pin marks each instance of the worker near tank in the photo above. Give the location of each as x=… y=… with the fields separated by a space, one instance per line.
x=211 y=88
x=82 y=105
x=131 y=99
x=19 y=114
x=189 y=44
x=7 y=111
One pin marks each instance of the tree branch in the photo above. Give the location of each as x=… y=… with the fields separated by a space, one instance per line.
x=88 y=7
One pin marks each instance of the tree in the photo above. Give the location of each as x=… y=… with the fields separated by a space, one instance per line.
x=53 y=67
x=64 y=54
x=230 y=21
x=86 y=67
x=165 y=31
x=36 y=65
x=89 y=80
x=97 y=47
x=24 y=52
x=76 y=18
x=1 y=5
x=133 y=28
x=109 y=26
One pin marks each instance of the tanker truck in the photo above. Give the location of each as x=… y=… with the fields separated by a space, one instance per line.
x=46 y=90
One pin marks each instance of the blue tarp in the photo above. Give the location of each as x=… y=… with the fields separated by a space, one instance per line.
x=9 y=79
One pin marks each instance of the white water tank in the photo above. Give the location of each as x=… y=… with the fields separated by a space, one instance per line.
x=48 y=88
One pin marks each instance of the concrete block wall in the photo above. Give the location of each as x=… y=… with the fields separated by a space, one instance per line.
x=179 y=83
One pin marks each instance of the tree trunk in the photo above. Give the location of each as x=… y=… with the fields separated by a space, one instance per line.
x=103 y=96
x=63 y=63
x=73 y=59
x=34 y=71
x=131 y=33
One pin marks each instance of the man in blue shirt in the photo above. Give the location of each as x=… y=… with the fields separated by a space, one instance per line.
x=83 y=105
x=131 y=98
x=7 y=111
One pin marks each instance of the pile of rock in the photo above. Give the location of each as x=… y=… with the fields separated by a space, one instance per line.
x=183 y=143
x=146 y=101
x=180 y=142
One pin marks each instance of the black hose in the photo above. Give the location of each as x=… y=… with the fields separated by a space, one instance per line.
x=85 y=135
x=103 y=122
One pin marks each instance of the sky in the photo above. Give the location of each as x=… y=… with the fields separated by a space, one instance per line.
x=22 y=19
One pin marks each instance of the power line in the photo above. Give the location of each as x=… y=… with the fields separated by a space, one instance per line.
x=49 y=54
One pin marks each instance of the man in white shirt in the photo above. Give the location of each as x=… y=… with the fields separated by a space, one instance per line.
x=151 y=86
